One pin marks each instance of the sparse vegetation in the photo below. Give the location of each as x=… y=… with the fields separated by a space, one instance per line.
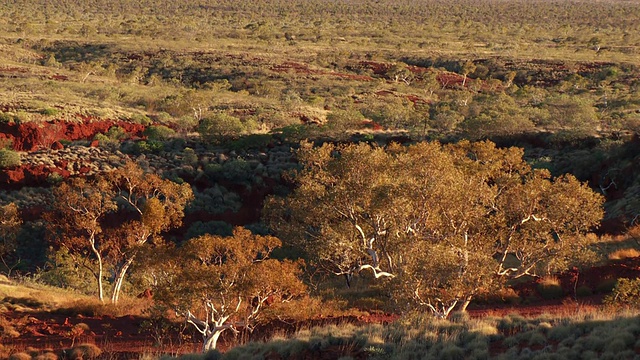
x=454 y=153
x=9 y=158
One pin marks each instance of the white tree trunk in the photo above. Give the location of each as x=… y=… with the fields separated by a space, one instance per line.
x=210 y=331
x=100 y=291
x=92 y=241
x=211 y=341
x=442 y=311
x=465 y=304
x=119 y=279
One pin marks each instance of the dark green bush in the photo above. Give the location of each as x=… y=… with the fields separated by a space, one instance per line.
x=140 y=119
x=583 y=291
x=6 y=118
x=550 y=289
x=158 y=132
x=210 y=227
x=147 y=147
x=253 y=141
x=49 y=111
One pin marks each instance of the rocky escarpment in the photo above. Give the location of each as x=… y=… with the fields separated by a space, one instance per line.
x=32 y=136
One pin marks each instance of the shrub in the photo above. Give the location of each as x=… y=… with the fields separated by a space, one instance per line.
x=625 y=292
x=82 y=326
x=49 y=111
x=6 y=118
x=220 y=126
x=537 y=339
x=20 y=356
x=9 y=158
x=213 y=227
x=583 y=290
x=85 y=351
x=47 y=356
x=147 y=147
x=189 y=157
x=158 y=132
x=140 y=119
x=6 y=143
x=606 y=285
x=512 y=324
x=252 y=141
x=559 y=332
x=549 y=288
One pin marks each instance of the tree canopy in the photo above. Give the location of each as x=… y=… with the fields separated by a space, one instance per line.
x=441 y=223
x=223 y=283
x=80 y=219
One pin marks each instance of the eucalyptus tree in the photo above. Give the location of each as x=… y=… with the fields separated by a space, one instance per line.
x=440 y=223
x=220 y=284
x=83 y=213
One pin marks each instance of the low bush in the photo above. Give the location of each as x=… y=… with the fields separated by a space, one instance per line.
x=583 y=291
x=48 y=355
x=606 y=285
x=85 y=351
x=626 y=292
x=550 y=288
x=140 y=119
x=6 y=118
x=20 y=356
x=158 y=132
x=9 y=159
x=49 y=111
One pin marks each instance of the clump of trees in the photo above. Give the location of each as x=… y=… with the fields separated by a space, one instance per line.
x=439 y=223
x=105 y=222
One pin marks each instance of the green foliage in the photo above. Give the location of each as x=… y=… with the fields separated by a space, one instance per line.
x=626 y=292
x=214 y=227
x=6 y=118
x=147 y=147
x=235 y=170
x=158 y=132
x=112 y=138
x=251 y=142
x=343 y=120
x=220 y=126
x=65 y=271
x=141 y=119
x=49 y=111
x=463 y=223
x=9 y=158
x=219 y=274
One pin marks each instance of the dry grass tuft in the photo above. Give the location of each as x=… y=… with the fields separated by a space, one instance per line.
x=85 y=351
x=20 y=356
x=624 y=254
x=93 y=307
x=47 y=356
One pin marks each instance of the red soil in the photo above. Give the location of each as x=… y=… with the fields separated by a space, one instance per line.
x=32 y=136
x=304 y=69
x=126 y=337
x=32 y=175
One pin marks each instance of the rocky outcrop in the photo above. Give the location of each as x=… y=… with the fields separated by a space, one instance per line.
x=32 y=136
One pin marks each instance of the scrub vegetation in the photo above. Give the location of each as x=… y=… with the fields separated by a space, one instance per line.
x=399 y=171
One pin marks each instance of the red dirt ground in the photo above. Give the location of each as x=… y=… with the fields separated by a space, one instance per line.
x=125 y=337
